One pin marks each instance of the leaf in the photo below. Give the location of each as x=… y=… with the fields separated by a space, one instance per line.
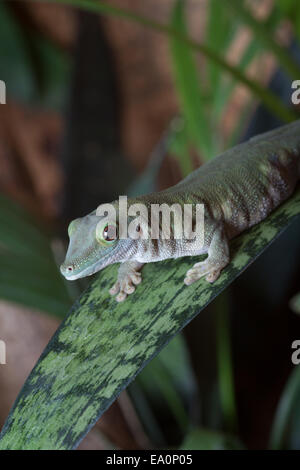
x=102 y=345
x=220 y=32
x=167 y=377
x=30 y=63
x=263 y=34
x=14 y=58
x=270 y=100
x=287 y=6
x=179 y=146
x=290 y=9
x=204 y=439
x=253 y=50
x=28 y=272
x=55 y=72
x=167 y=384
x=288 y=408
x=225 y=366
x=223 y=93
x=188 y=87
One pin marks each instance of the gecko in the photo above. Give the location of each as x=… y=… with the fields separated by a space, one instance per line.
x=238 y=189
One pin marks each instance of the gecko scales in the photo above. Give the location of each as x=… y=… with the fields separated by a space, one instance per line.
x=238 y=189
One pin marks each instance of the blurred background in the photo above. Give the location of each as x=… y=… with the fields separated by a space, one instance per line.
x=98 y=106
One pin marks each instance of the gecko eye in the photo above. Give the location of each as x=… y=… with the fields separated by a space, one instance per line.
x=108 y=233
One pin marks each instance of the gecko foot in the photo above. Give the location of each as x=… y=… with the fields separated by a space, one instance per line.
x=127 y=281
x=212 y=272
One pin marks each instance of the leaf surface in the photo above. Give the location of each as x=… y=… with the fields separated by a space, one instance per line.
x=102 y=345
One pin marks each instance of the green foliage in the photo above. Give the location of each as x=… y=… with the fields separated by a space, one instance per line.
x=43 y=67
x=204 y=94
x=291 y=9
x=204 y=439
x=28 y=273
x=188 y=87
x=285 y=430
x=165 y=386
x=168 y=383
x=53 y=72
x=225 y=366
x=14 y=58
x=102 y=345
x=267 y=97
x=264 y=35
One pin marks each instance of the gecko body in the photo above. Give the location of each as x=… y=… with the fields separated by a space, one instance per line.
x=238 y=189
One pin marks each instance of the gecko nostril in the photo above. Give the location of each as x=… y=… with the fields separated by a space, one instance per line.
x=67 y=270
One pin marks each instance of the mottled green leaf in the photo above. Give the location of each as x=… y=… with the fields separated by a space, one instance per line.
x=102 y=345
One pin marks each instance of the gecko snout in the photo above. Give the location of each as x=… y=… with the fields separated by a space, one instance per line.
x=67 y=270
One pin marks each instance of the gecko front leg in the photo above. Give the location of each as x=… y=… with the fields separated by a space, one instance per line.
x=218 y=258
x=128 y=277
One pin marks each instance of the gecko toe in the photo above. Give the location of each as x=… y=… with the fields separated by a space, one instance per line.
x=213 y=276
x=121 y=296
x=136 y=278
x=200 y=270
x=115 y=289
x=188 y=281
x=129 y=289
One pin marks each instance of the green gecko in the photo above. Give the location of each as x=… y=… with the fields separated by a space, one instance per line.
x=239 y=188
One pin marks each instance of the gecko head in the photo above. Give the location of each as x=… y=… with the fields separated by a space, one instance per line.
x=94 y=244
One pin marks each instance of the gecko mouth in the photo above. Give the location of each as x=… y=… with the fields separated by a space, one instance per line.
x=71 y=275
